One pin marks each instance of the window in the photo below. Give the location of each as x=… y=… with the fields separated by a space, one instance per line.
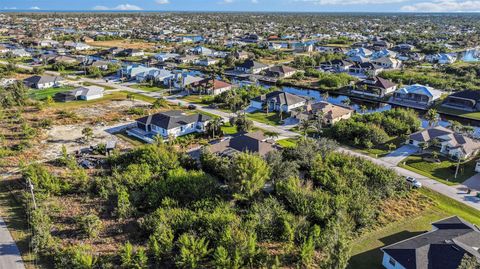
x=392 y=262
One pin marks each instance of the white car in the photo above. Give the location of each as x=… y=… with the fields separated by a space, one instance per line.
x=413 y=182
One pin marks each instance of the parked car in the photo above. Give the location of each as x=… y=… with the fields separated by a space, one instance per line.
x=414 y=182
x=192 y=107
x=213 y=106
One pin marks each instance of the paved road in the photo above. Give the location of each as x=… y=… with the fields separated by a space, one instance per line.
x=10 y=257
x=457 y=192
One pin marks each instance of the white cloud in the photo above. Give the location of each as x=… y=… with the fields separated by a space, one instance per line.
x=100 y=8
x=127 y=7
x=119 y=7
x=163 y=2
x=35 y=8
x=254 y=1
x=350 y=2
x=9 y=8
x=226 y=2
x=444 y=6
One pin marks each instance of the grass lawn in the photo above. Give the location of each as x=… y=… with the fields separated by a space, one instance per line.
x=106 y=98
x=271 y=118
x=443 y=171
x=107 y=88
x=228 y=129
x=366 y=253
x=198 y=99
x=130 y=139
x=148 y=88
x=460 y=113
x=42 y=94
x=141 y=97
x=287 y=143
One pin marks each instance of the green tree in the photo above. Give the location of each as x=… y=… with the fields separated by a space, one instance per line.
x=90 y=225
x=248 y=174
x=193 y=251
x=124 y=208
x=432 y=117
x=160 y=243
x=469 y=262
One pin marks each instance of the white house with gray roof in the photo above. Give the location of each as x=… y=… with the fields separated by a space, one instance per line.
x=278 y=101
x=43 y=82
x=172 y=123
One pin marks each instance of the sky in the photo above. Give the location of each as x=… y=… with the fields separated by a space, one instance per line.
x=249 y=5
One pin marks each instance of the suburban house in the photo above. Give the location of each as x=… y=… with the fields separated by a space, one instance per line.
x=212 y=87
x=43 y=82
x=183 y=81
x=454 y=145
x=163 y=57
x=416 y=95
x=384 y=53
x=278 y=101
x=251 y=67
x=374 y=86
x=255 y=142
x=387 y=62
x=207 y=61
x=336 y=66
x=330 y=113
x=81 y=93
x=441 y=248
x=172 y=123
x=366 y=69
x=362 y=52
x=20 y=53
x=200 y=50
x=281 y=71
x=465 y=100
x=241 y=55
x=132 y=53
x=154 y=74
x=131 y=71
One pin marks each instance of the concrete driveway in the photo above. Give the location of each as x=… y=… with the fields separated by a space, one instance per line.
x=399 y=154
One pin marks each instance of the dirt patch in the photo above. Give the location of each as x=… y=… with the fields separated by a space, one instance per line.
x=72 y=138
x=123 y=44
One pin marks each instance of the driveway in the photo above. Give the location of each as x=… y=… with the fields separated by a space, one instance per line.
x=399 y=154
x=9 y=254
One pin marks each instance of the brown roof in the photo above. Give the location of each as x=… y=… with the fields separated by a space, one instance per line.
x=330 y=111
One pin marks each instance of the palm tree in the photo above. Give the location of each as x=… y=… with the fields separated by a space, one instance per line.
x=363 y=108
x=158 y=139
x=305 y=125
x=455 y=125
x=432 y=117
x=214 y=125
x=325 y=96
x=347 y=101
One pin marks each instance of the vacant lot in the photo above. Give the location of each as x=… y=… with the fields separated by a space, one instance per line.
x=127 y=44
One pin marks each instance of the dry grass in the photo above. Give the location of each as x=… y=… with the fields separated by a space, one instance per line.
x=127 y=44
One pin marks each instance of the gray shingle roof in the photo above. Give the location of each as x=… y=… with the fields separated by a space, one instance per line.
x=172 y=119
x=442 y=248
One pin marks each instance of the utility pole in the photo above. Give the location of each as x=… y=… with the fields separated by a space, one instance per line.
x=30 y=185
x=458 y=166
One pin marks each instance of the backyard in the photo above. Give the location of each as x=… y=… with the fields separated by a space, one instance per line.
x=271 y=118
x=443 y=171
x=42 y=94
x=366 y=253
